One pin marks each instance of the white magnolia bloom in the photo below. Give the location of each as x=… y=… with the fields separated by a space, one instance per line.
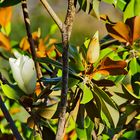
x=24 y=73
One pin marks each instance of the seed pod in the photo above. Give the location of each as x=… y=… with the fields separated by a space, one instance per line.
x=93 y=51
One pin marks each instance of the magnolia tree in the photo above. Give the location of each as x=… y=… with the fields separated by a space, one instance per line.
x=57 y=90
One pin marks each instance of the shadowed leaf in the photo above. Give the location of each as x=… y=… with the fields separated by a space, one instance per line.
x=111 y=67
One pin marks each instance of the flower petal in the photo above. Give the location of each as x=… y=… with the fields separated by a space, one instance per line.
x=28 y=73
x=14 y=63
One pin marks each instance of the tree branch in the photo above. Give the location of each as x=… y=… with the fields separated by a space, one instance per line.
x=8 y=116
x=52 y=14
x=66 y=33
x=30 y=39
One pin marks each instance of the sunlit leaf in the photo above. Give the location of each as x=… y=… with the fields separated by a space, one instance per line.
x=107 y=105
x=119 y=31
x=130 y=135
x=93 y=51
x=12 y=92
x=5 y=16
x=24 y=44
x=129 y=94
x=4 y=42
x=133 y=66
x=121 y=4
x=87 y=94
x=48 y=111
x=95 y=9
x=132 y=9
x=133 y=23
x=127 y=32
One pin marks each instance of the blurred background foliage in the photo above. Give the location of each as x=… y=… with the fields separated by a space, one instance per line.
x=84 y=26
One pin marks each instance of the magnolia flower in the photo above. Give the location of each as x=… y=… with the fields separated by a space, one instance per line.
x=24 y=73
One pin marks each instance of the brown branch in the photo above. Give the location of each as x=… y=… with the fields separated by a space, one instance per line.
x=8 y=116
x=66 y=33
x=52 y=14
x=30 y=39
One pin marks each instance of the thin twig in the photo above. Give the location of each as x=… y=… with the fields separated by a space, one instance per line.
x=8 y=117
x=52 y=14
x=30 y=39
x=10 y=120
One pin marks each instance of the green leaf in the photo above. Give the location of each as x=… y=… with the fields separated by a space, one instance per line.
x=107 y=106
x=136 y=87
x=128 y=94
x=50 y=61
x=132 y=9
x=133 y=66
x=92 y=114
x=87 y=94
x=131 y=135
x=138 y=117
x=35 y=136
x=47 y=112
x=108 y=1
x=121 y=4
x=6 y=3
x=71 y=82
x=81 y=133
x=95 y=9
x=50 y=80
x=12 y=92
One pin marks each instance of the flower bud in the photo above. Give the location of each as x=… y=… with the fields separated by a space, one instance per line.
x=93 y=51
x=24 y=73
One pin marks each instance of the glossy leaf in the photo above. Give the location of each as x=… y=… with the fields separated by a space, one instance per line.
x=50 y=61
x=132 y=9
x=119 y=31
x=134 y=82
x=5 y=16
x=50 y=80
x=111 y=67
x=129 y=94
x=95 y=9
x=5 y=42
x=48 y=111
x=6 y=3
x=127 y=32
x=71 y=82
x=12 y=92
x=107 y=105
x=133 y=66
x=121 y=4
x=92 y=114
x=87 y=94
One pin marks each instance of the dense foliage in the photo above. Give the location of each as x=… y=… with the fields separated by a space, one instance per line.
x=103 y=99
